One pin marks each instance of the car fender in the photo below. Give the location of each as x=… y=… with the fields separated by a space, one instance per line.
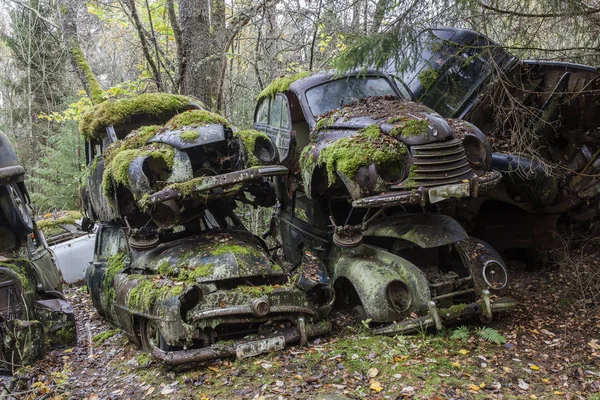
x=370 y=270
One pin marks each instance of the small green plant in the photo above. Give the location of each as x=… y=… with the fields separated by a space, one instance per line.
x=486 y=333
x=366 y=323
x=490 y=335
x=461 y=333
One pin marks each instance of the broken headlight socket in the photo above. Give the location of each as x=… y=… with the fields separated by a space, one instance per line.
x=495 y=275
x=166 y=214
x=264 y=150
x=189 y=299
x=476 y=152
x=398 y=296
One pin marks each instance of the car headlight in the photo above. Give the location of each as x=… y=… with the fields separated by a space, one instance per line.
x=495 y=275
x=188 y=300
x=475 y=151
x=398 y=295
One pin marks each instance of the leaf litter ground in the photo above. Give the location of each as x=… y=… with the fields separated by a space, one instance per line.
x=552 y=351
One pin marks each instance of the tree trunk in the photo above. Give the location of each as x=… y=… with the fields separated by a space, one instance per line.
x=203 y=38
x=84 y=72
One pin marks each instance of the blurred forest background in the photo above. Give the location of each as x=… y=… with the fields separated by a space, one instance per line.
x=225 y=52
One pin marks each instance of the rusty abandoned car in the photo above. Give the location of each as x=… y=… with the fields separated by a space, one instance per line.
x=34 y=314
x=368 y=171
x=542 y=119
x=173 y=265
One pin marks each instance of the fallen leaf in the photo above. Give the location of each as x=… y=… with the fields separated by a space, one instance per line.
x=372 y=372
x=376 y=386
x=150 y=390
x=463 y=351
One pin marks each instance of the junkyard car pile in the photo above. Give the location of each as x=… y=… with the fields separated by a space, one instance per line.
x=33 y=312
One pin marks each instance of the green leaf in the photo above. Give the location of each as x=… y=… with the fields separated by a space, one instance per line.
x=490 y=335
x=460 y=333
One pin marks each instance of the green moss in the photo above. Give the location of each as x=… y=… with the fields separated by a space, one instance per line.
x=195 y=188
x=134 y=140
x=16 y=266
x=248 y=138
x=410 y=180
x=256 y=291
x=201 y=272
x=323 y=123
x=194 y=118
x=277 y=268
x=189 y=136
x=51 y=227
x=147 y=292
x=427 y=78
x=118 y=168
x=118 y=112
x=393 y=120
x=93 y=88
x=411 y=128
x=281 y=84
x=101 y=337
x=349 y=154
x=114 y=265
x=143 y=359
x=453 y=311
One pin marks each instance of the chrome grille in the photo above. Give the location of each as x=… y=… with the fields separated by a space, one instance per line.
x=439 y=163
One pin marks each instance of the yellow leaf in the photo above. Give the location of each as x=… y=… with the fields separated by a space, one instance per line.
x=507 y=369
x=376 y=386
x=455 y=364
x=69 y=350
x=474 y=388
x=545 y=380
x=463 y=351
x=534 y=367
x=214 y=369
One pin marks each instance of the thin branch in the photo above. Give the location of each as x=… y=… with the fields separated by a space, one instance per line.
x=37 y=13
x=541 y=15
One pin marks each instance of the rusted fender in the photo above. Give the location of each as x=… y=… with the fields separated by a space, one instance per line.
x=424 y=230
x=370 y=270
x=291 y=335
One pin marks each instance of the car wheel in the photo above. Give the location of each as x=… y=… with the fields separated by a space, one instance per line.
x=150 y=336
x=15 y=209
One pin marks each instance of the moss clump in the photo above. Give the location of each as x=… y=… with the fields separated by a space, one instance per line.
x=453 y=311
x=17 y=267
x=134 y=140
x=101 y=337
x=118 y=112
x=394 y=120
x=93 y=88
x=256 y=291
x=66 y=217
x=118 y=168
x=201 y=271
x=195 y=188
x=114 y=265
x=281 y=84
x=189 y=136
x=323 y=123
x=147 y=292
x=410 y=181
x=413 y=127
x=143 y=359
x=248 y=138
x=428 y=78
x=194 y=118
x=369 y=146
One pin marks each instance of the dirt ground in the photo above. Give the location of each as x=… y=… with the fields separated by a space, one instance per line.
x=552 y=351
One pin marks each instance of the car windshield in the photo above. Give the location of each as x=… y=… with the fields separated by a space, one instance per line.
x=446 y=74
x=333 y=95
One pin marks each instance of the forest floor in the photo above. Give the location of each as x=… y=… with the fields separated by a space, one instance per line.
x=552 y=351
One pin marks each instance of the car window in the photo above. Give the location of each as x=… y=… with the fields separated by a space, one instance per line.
x=285 y=113
x=112 y=241
x=262 y=115
x=308 y=210
x=275 y=112
x=333 y=95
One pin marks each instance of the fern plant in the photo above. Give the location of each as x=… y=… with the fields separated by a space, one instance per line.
x=461 y=333
x=490 y=335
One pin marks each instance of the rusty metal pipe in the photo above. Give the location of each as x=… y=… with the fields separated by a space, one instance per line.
x=291 y=335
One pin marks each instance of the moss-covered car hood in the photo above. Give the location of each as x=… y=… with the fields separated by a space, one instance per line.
x=411 y=123
x=209 y=257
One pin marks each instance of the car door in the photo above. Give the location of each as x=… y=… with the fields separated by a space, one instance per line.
x=273 y=117
x=110 y=240
x=303 y=226
x=48 y=276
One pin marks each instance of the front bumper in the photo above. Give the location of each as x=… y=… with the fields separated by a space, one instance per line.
x=429 y=195
x=483 y=308
x=297 y=334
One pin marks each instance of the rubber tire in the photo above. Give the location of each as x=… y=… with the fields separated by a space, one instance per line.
x=15 y=209
x=148 y=344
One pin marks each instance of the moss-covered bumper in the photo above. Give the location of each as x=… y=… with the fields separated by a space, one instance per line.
x=275 y=341
x=485 y=309
x=428 y=195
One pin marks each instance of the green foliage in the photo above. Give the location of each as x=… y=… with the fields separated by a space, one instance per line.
x=428 y=77
x=248 y=138
x=55 y=179
x=461 y=333
x=102 y=336
x=93 y=87
x=490 y=335
x=194 y=118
